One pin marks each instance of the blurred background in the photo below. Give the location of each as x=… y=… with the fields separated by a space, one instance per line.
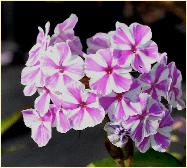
x=19 y=22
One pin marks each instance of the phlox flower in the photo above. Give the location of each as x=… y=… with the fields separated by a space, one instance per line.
x=146 y=120
x=40 y=126
x=175 y=90
x=134 y=46
x=98 y=41
x=32 y=75
x=156 y=82
x=159 y=141
x=119 y=106
x=61 y=67
x=105 y=74
x=64 y=32
x=82 y=107
x=117 y=134
x=42 y=43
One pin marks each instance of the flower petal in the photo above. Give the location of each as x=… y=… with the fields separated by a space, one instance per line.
x=160 y=142
x=29 y=116
x=41 y=134
x=144 y=145
x=122 y=82
x=98 y=41
x=42 y=103
x=63 y=124
x=122 y=37
x=75 y=68
x=141 y=33
x=29 y=74
x=29 y=90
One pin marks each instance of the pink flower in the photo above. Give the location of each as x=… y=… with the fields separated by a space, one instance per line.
x=105 y=73
x=133 y=45
x=146 y=120
x=117 y=134
x=64 y=33
x=40 y=126
x=156 y=81
x=98 y=41
x=82 y=107
x=40 y=47
x=161 y=140
x=120 y=106
x=175 y=90
x=61 y=67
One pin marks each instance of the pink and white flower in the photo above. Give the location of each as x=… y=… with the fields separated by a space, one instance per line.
x=61 y=67
x=175 y=90
x=156 y=81
x=42 y=43
x=120 y=106
x=105 y=73
x=82 y=107
x=147 y=118
x=98 y=41
x=134 y=46
x=161 y=140
x=117 y=134
x=64 y=32
x=40 y=126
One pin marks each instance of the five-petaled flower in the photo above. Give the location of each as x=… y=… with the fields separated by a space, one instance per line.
x=61 y=67
x=40 y=126
x=156 y=82
x=146 y=120
x=117 y=134
x=161 y=139
x=134 y=46
x=82 y=107
x=120 y=106
x=105 y=73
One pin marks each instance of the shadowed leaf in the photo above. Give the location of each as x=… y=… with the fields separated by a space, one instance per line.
x=148 y=159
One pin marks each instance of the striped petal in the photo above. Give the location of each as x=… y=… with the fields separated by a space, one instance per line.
x=98 y=41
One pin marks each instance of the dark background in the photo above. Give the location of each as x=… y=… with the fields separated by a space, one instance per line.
x=19 y=22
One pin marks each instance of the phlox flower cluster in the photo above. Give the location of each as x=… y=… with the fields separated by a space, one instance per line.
x=134 y=103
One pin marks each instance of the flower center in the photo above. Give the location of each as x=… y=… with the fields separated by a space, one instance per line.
x=83 y=105
x=109 y=70
x=133 y=49
x=142 y=117
x=119 y=96
x=61 y=69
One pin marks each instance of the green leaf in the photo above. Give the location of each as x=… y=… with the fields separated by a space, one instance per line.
x=9 y=121
x=106 y=162
x=148 y=159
